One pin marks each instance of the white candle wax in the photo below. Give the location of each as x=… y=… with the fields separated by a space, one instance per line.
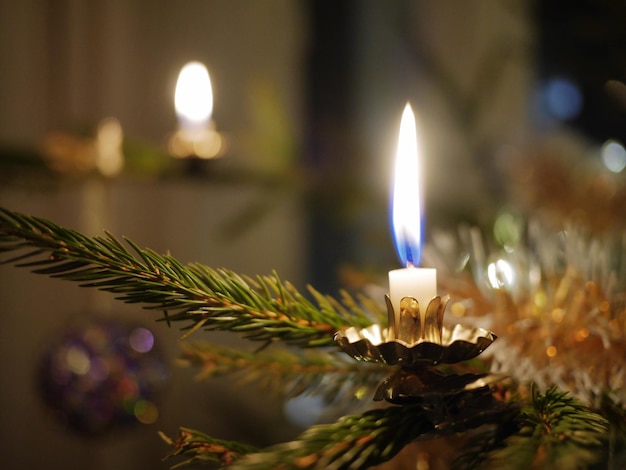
x=420 y=283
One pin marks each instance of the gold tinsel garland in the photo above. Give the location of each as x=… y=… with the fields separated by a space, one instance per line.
x=556 y=302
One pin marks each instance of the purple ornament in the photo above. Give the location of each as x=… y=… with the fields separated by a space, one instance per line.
x=102 y=376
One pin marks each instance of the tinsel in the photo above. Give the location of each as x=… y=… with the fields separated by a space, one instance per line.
x=561 y=179
x=556 y=300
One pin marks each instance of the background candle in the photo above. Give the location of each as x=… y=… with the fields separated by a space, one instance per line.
x=193 y=98
x=420 y=283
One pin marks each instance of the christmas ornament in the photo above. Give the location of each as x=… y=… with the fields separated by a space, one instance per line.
x=101 y=376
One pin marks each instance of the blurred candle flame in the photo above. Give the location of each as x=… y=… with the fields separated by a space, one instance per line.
x=407 y=200
x=193 y=97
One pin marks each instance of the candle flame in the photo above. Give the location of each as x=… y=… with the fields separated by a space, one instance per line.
x=193 y=97
x=407 y=200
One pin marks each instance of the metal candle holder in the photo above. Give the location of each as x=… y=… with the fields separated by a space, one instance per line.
x=417 y=346
x=203 y=144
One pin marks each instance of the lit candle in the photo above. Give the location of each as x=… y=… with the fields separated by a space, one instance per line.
x=411 y=281
x=193 y=98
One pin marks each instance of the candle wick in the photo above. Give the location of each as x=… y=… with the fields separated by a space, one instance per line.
x=412 y=255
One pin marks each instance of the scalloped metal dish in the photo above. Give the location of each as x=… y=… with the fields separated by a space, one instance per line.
x=371 y=345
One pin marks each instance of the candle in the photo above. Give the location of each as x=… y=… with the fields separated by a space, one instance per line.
x=410 y=281
x=109 y=140
x=193 y=98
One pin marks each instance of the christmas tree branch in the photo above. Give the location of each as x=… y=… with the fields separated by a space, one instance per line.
x=263 y=309
x=289 y=372
x=353 y=442
x=201 y=448
x=553 y=430
x=363 y=440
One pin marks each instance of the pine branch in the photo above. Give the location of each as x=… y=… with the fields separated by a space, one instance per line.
x=363 y=440
x=353 y=442
x=615 y=413
x=262 y=309
x=554 y=431
x=201 y=448
x=478 y=449
x=288 y=372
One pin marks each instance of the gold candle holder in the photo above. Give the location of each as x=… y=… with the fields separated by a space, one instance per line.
x=205 y=144
x=411 y=344
x=417 y=348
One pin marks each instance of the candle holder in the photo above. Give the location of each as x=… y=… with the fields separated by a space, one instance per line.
x=417 y=344
x=204 y=144
x=411 y=344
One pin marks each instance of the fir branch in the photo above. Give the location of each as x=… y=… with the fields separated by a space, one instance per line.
x=480 y=445
x=615 y=413
x=288 y=372
x=201 y=448
x=363 y=440
x=555 y=430
x=263 y=309
x=353 y=442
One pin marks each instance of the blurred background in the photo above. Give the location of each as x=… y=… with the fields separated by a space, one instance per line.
x=513 y=99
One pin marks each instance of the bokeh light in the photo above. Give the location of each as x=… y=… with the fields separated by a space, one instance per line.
x=562 y=98
x=508 y=229
x=141 y=340
x=305 y=410
x=500 y=274
x=613 y=156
